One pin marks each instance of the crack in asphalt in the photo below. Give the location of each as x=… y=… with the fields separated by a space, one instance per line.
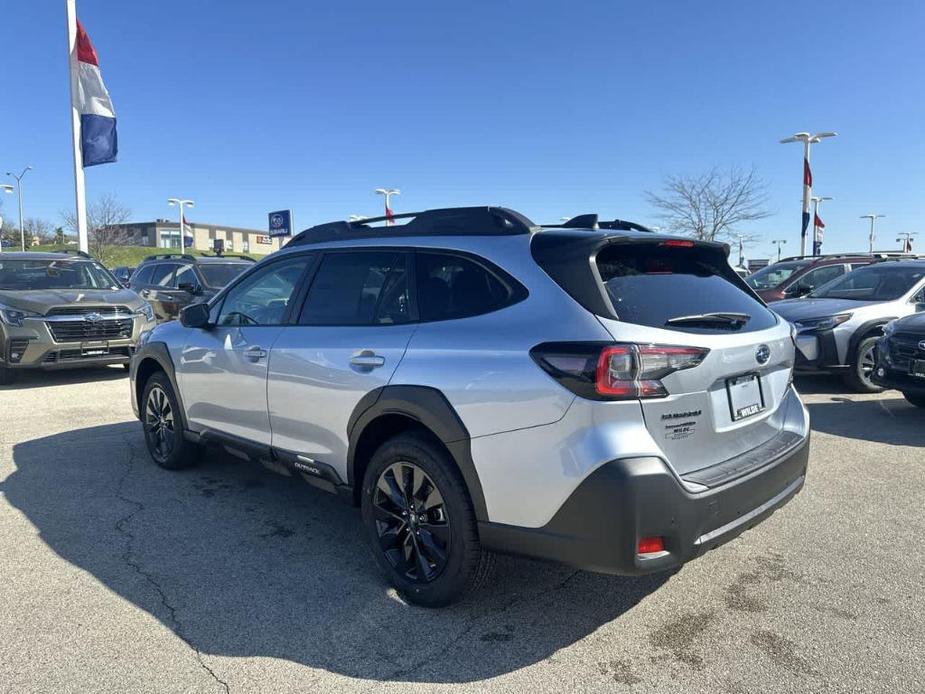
x=121 y=527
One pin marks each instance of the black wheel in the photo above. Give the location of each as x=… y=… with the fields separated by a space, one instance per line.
x=7 y=376
x=420 y=523
x=160 y=417
x=916 y=399
x=862 y=366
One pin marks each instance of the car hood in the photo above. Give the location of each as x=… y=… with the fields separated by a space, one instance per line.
x=803 y=309
x=912 y=324
x=41 y=300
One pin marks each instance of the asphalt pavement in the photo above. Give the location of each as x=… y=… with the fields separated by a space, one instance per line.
x=117 y=576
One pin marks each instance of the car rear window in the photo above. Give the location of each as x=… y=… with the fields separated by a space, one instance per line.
x=658 y=286
x=217 y=275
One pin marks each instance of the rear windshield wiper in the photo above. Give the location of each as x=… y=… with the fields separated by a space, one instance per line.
x=733 y=320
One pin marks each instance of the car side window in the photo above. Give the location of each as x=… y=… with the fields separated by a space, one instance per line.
x=186 y=275
x=815 y=279
x=359 y=288
x=142 y=276
x=263 y=297
x=451 y=286
x=161 y=274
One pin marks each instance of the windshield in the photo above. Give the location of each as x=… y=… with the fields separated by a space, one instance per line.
x=219 y=274
x=772 y=275
x=25 y=274
x=881 y=282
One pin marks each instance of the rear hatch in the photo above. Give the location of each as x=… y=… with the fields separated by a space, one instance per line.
x=709 y=362
x=684 y=294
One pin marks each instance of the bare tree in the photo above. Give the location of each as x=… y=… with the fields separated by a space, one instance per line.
x=37 y=228
x=711 y=206
x=102 y=214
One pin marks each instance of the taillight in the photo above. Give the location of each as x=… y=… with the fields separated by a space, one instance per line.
x=615 y=371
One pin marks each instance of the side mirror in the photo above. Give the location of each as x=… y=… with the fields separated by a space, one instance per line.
x=189 y=287
x=799 y=290
x=195 y=316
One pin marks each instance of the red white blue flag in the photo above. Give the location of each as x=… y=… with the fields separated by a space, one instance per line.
x=98 y=141
x=807 y=194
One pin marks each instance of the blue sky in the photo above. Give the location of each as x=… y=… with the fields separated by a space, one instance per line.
x=551 y=108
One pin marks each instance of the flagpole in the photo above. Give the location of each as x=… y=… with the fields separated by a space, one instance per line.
x=79 y=186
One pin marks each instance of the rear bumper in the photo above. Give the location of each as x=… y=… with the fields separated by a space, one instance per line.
x=599 y=526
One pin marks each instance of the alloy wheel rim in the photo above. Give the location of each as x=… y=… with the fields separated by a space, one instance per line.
x=867 y=363
x=159 y=423
x=411 y=522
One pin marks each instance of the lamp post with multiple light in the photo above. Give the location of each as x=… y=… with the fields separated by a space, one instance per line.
x=817 y=241
x=22 y=231
x=905 y=238
x=808 y=139
x=178 y=202
x=872 y=236
x=778 y=243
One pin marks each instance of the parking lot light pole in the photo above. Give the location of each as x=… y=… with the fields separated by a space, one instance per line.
x=22 y=231
x=6 y=188
x=873 y=218
x=388 y=193
x=905 y=238
x=817 y=200
x=778 y=243
x=808 y=140
x=181 y=204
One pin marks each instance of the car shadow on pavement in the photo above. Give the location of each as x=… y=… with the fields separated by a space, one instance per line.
x=36 y=378
x=882 y=420
x=820 y=384
x=238 y=561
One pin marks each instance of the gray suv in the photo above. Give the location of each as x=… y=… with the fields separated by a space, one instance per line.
x=838 y=325
x=594 y=394
x=62 y=310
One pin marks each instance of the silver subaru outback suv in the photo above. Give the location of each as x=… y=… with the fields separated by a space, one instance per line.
x=594 y=393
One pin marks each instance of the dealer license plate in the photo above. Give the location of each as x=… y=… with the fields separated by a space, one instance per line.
x=94 y=349
x=745 y=396
x=917 y=368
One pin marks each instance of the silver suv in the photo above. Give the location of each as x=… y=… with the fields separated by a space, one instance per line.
x=839 y=324
x=595 y=394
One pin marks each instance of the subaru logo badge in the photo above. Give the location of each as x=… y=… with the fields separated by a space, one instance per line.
x=93 y=317
x=922 y=345
x=763 y=354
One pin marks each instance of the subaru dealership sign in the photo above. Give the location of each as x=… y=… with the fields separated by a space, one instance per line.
x=280 y=223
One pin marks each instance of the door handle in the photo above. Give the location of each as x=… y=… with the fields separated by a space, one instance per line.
x=367 y=359
x=255 y=353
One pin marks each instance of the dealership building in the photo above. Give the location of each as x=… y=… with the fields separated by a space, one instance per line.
x=162 y=233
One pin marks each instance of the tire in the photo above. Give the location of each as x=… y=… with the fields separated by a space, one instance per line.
x=162 y=425
x=7 y=376
x=916 y=399
x=408 y=546
x=862 y=365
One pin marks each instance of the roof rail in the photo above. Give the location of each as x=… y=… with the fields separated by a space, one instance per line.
x=72 y=251
x=591 y=221
x=863 y=254
x=450 y=221
x=168 y=256
x=241 y=256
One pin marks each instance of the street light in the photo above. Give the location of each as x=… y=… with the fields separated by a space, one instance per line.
x=6 y=188
x=178 y=202
x=807 y=139
x=388 y=193
x=905 y=238
x=873 y=218
x=22 y=233
x=817 y=234
x=778 y=243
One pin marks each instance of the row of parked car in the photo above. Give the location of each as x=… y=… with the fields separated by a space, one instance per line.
x=591 y=393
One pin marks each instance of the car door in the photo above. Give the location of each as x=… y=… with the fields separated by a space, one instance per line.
x=223 y=369
x=156 y=291
x=354 y=326
x=183 y=290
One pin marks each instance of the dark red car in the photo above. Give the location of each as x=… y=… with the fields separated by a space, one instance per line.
x=795 y=277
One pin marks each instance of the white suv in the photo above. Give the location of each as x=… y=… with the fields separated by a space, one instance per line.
x=595 y=394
